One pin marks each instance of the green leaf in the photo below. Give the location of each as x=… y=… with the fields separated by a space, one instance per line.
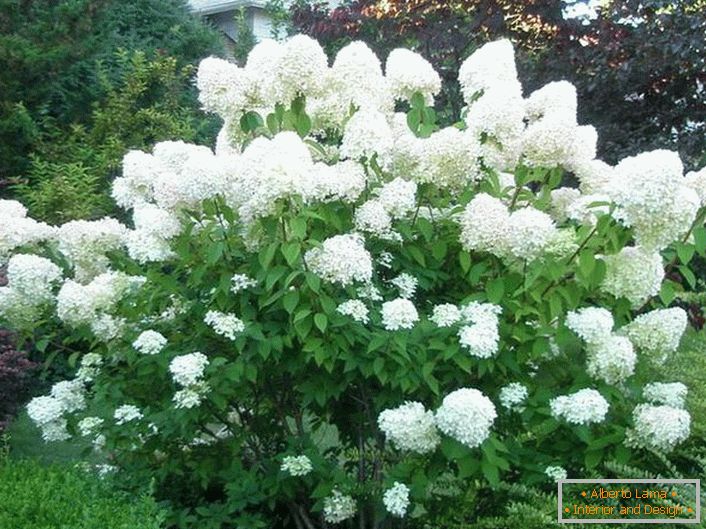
x=666 y=292
x=303 y=125
x=298 y=227
x=688 y=275
x=490 y=472
x=587 y=263
x=417 y=101
x=291 y=252
x=321 y=321
x=495 y=290
x=685 y=252
x=267 y=254
x=290 y=301
x=464 y=259
x=592 y=458
x=700 y=240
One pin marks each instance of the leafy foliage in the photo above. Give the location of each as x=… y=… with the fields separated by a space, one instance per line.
x=15 y=377
x=37 y=497
x=70 y=172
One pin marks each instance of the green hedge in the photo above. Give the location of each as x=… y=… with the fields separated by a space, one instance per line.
x=33 y=496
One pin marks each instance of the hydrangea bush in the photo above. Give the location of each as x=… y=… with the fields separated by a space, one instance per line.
x=349 y=313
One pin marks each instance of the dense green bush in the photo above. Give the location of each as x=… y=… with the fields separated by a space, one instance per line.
x=48 y=56
x=71 y=169
x=33 y=496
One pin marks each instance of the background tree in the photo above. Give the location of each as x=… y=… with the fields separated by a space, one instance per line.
x=58 y=61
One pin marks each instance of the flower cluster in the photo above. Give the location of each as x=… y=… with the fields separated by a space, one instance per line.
x=671 y=393
x=658 y=427
x=399 y=314
x=341 y=259
x=586 y=406
x=188 y=371
x=657 y=333
x=466 y=415
x=31 y=280
x=513 y=396
x=149 y=342
x=610 y=357
x=396 y=499
x=410 y=427
x=296 y=465
x=224 y=324
x=339 y=507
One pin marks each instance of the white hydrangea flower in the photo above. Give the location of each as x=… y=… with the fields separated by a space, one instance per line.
x=595 y=176
x=484 y=225
x=593 y=324
x=370 y=292
x=29 y=293
x=562 y=199
x=44 y=410
x=191 y=396
x=84 y=243
x=554 y=142
x=449 y=158
x=127 y=413
x=612 y=361
x=445 y=315
x=659 y=428
x=354 y=308
x=529 y=233
x=490 y=65
x=149 y=342
x=653 y=198
x=356 y=76
x=341 y=259
x=556 y=99
x=406 y=284
x=399 y=314
x=555 y=473
x=396 y=499
x=408 y=72
x=513 y=396
x=466 y=415
x=371 y=217
x=240 y=282
x=71 y=394
x=18 y=230
x=398 y=197
x=696 y=180
x=222 y=86
x=339 y=507
x=410 y=427
x=83 y=304
x=481 y=337
x=188 y=369
x=296 y=465
x=224 y=324
x=634 y=273
x=367 y=134
x=586 y=406
x=657 y=333
x=12 y=209
x=671 y=394
x=301 y=69
x=496 y=119
x=89 y=426
x=89 y=368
